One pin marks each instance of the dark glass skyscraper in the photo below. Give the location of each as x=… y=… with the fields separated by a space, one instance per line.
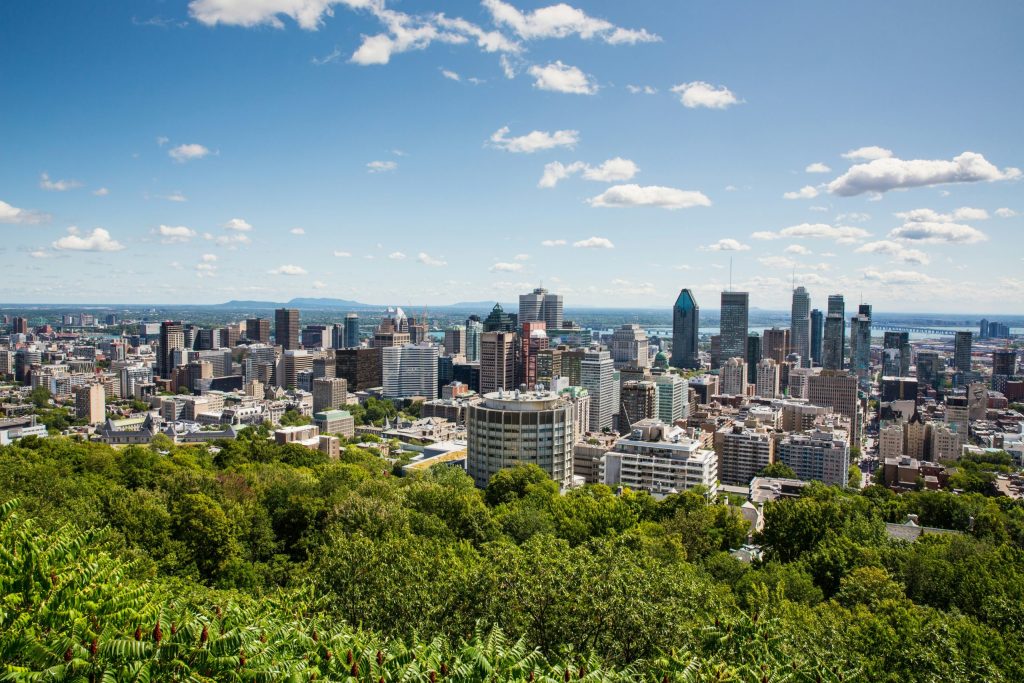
x=962 y=351
x=817 y=334
x=753 y=355
x=685 y=325
x=286 y=328
x=800 y=325
x=833 y=346
x=733 y=324
x=351 y=331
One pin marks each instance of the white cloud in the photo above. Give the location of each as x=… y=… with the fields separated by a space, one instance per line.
x=162 y=140
x=727 y=244
x=534 y=141
x=927 y=231
x=428 y=260
x=560 y=21
x=57 y=185
x=701 y=94
x=317 y=284
x=868 y=153
x=805 y=192
x=819 y=209
x=232 y=240
x=842 y=233
x=12 y=214
x=206 y=269
x=649 y=195
x=333 y=56
x=817 y=167
x=175 y=234
x=507 y=67
x=553 y=243
x=208 y=258
x=764 y=235
x=176 y=197
x=450 y=75
x=101 y=192
x=611 y=170
x=97 y=240
x=594 y=243
x=899 y=277
x=521 y=257
x=967 y=213
x=882 y=175
x=297 y=231
x=289 y=269
x=503 y=267
x=642 y=89
x=797 y=249
x=308 y=14
x=238 y=224
x=559 y=77
x=396 y=256
x=343 y=254
x=40 y=253
x=1006 y=213
x=898 y=251
x=381 y=166
x=854 y=216
x=964 y=213
x=183 y=153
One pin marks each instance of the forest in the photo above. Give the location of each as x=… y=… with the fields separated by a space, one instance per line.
x=251 y=561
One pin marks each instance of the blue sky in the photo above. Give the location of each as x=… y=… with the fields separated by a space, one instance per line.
x=428 y=152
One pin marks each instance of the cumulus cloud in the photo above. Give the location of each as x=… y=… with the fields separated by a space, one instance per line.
x=898 y=251
x=899 y=277
x=428 y=260
x=964 y=213
x=561 y=21
x=868 y=153
x=559 y=77
x=175 y=234
x=797 y=249
x=928 y=231
x=649 y=195
x=450 y=75
x=188 y=152
x=727 y=244
x=289 y=269
x=231 y=240
x=805 y=192
x=612 y=170
x=208 y=258
x=101 y=192
x=700 y=94
x=14 y=215
x=176 y=197
x=839 y=233
x=594 y=243
x=343 y=254
x=503 y=267
x=642 y=89
x=57 y=185
x=534 y=141
x=1002 y=213
x=97 y=240
x=891 y=173
x=381 y=166
x=297 y=231
x=396 y=256
x=817 y=167
x=553 y=243
x=237 y=224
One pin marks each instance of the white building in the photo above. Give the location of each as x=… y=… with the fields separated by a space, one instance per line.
x=767 y=378
x=822 y=455
x=660 y=459
x=597 y=375
x=733 y=377
x=410 y=370
x=672 y=398
x=630 y=347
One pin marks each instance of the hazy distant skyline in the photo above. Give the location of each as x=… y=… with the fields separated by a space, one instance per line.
x=166 y=151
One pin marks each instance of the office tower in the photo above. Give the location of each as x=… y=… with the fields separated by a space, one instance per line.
x=733 y=324
x=597 y=376
x=742 y=453
x=192 y=374
x=385 y=339
x=19 y=325
x=541 y=306
x=833 y=352
x=837 y=390
x=315 y=337
x=513 y=428
x=733 y=377
x=753 y=356
x=549 y=365
x=468 y=374
x=257 y=330
x=337 y=336
x=962 y=351
x=767 y=382
x=895 y=388
x=571 y=364
x=134 y=376
x=715 y=350
x=172 y=336
x=497 y=361
x=410 y=370
x=499 y=321
x=207 y=340
x=998 y=330
x=958 y=414
x=630 y=347
x=286 y=328
x=930 y=369
x=637 y=401
x=800 y=325
x=817 y=335
x=360 y=367
x=229 y=336
x=820 y=455
x=455 y=340
x=351 y=338
x=90 y=403
x=533 y=340
x=290 y=365
x=860 y=344
x=775 y=345
x=1004 y=364
x=329 y=393
x=983 y=329
x=896 y=354
x=685 y=331
x=419 y=331
x=474 y=328
x=325 y=366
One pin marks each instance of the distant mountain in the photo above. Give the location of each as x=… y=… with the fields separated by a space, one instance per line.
x=309 y=303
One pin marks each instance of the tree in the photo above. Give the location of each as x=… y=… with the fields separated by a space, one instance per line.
x=40 y=397
x=778 y=470
x=854 y=477
x=512 y=483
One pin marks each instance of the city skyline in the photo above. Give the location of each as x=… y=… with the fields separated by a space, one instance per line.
x=378 y=152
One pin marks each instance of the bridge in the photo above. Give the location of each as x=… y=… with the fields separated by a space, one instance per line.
x=915 y=330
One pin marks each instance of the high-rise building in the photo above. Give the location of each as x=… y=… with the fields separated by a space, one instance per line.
x=257 y=330
x=685 y=329
x=597 y=376
x=767 y=381
x=962 y=351
x=775 y=344
x=896 y=354
x=419 y=330
x=742 y=453
x=532 y=341
x=833 y=352
x=837 y=390
x=497 y=361
x=172 y=336
x=19 y=325
x=292 y=363
x=817 y=335
x=316 y=337
x=860 y=344
x=474 y=328
x=753 y=356
x=733 y=324
x=1004 y=366
x=286 y=328
x=549 y=365
x=360 y=367
x=672 y=398
x=800 y=325
x=541 y=306
x=638 y=400
x=499 y=321
x=822 y=455
x=329 y=393
x=351 y=330
x=90 y=403
x=930 y=369
x=455 y=340
x=410 y=370
x=733 y=377
x=510 y=428
x=629 y=347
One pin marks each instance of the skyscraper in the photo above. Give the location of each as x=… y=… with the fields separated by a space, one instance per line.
x=286 y=328
x=532 y=341
x=685 y=327
x=962 y=351
x=499 y=321
x=258 y=330
x=597 y=376
x=638 y=400
x=629 y=347
x=474 y=328
x=833 y=350
x=775 y=345
x=410 y=370
x=896 y=354
x=351 y=331
x=541 y=305
x=817 y=334
x=497 y=361
x=733 y=324
x=455 y=340
x=733 y=376
x=172 y=336
x=860 y=344
x=929 y=369
x=753 y=356
x=800 y=325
